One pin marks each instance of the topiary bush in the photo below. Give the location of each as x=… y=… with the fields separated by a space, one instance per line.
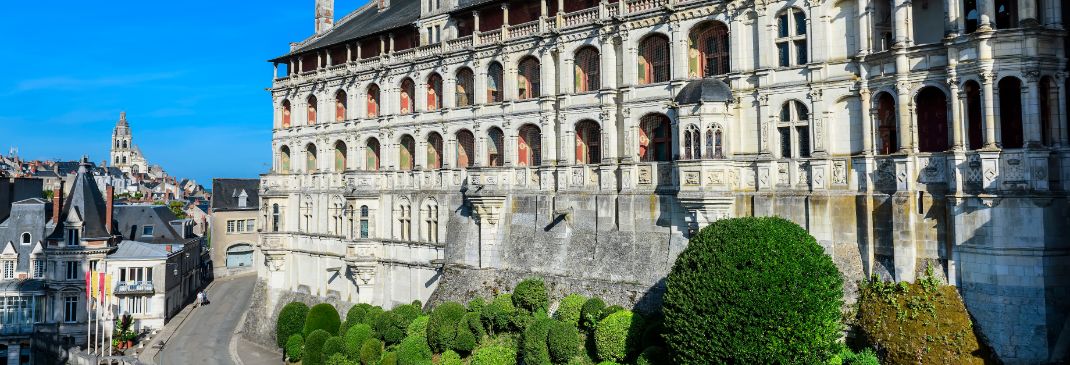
x=413 y=350
x=653 y=355
x=465 y=341
x=781 y=304
x=618 y=335
x=533 y=349
x=389 y=358
x=356 y=313
x=450 y=358
x=591 y=313
x=407 y=313
x=530 y=296
x=498 y=315
x=610 y=310
x=569 y=309
x=418 y=327
x=494 y=355
x=442 y=326
x=291 y=320
x=391 y=327
x=474 y=324
x=322 y=316
x=372 y=316
x=370 y=352
x=564 y=341
x=295 y=347
x=332 y=346
x=338 y=359
x=476 y=305
x=314 y=347
x=354 y=339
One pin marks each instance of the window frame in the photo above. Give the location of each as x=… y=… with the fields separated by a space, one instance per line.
x=797 y=128
x=788 y=35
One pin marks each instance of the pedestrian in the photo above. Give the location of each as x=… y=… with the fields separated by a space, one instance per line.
x=200 y=299
x=204 y=297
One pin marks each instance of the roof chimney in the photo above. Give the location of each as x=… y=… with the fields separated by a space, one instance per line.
x=57 y=202
x=108 y=209
x=324 y=15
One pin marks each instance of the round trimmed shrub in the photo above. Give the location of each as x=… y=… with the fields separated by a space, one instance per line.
x=442 y=326
x=475 y=324
x=391 y=328
x=476 y=305
x=418 y=304
x=291 y=320
x=465 y=341
x=450 y=358
x=407 y=313
x=355 y=337
x=389 y=358
x=418 y=327
x=372 y=316
x=413 y=350
x=591 y=313
x=295 y=347
x=569 y=309
x=337 y=359
x=314 y=343
x=781 y=304
x=370 y=351
x=530 y=296
x=332 y=346
x=653 y=355
x=494 y=355
x=610 y=310
x=322 y=316
x=499 y=313
x=356 y=313
x=618 y=335
x=564 y=341
x=533 y=349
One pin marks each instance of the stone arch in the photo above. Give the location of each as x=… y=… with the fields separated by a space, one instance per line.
x=971 y=89
x=464 y=87
x=529 y=145
x=655 y=138
x=495 y=147
x=709 y=49
x=588 y=66
x=373 y=102
x=528 y=76
x=406 y=96
x=588 y=142
x=434 y=151
x=932 y=117
x=654 y=59
x=465 y=152
x=372 y=153
x=341 y=104
x=341 y=156
x=887 y=124
x=406 y=153
x=434 y=91
x=1010 y=112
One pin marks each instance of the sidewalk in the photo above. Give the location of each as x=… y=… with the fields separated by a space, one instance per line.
x=156 y=343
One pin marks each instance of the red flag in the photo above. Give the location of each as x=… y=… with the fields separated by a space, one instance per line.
x=88 y=287
x=101 y=283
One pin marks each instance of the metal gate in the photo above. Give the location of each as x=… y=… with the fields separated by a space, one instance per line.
x=240 y=255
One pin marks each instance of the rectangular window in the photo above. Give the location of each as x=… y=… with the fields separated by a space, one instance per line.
x=785 y=142
x=800 y=23
x=148 y=275
x=363 y=228
x=230 y=226
x=250 y=225
x=800 y=52
x=74 y=270
x=147 y=231
x=783 y=54
x=804 y=141
x=72 y=237
x=38 y=268
x=70 y=309
x=9 y=269
x=782 y=25
x=239 y=226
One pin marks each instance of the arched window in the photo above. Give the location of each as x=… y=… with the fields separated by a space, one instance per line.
x=364 y=222
x=373 y=101
x=588 y=142
x=494 y=83
x=26 y=238
x=284 y=159
x=404 y=213
x=1049 y=98
x=654 y=59
x=340 y=102
x=495 y=147
x=692 y=143
x=276 y=215
x=340 y=156
x=714 y=143
x=655 y=138
x=408 y=89
x=974 y=129
x=887 y=134
x=312 y=106
x=118 y=144
x=528 y=146
x=465 y=148
x=973 y=15
x=709 y=50
x=406 y=151
x=372 y=163
x=286 y=114
x=932 y=120
x=310 y=158
x=528 y=78
x=434 y=151
x=1007 y=14
x=125 y=144
x=430 y=218
x=794 y=130
x=587 y=70
x=434 y=92
x=465 y=87
x=791 y=38
x=1010 y=112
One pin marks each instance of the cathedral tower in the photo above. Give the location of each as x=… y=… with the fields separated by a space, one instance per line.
x=121 y=140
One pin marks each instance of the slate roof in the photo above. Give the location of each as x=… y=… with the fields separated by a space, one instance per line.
x=87 y=202
x=225 y=194
x=157 y=216
x=136 y=250
x=366 y=21
x=704 y=90
x=464 y=4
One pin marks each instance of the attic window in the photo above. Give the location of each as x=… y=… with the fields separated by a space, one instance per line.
x=26 y=238
x=146 y=231
x=243 y=200
x=72 y=237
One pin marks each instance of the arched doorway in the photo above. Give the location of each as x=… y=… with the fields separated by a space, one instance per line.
x=239 y=255
x=932 y=120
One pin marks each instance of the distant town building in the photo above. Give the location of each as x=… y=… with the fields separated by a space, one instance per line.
x=235 y=207
x=124 y=153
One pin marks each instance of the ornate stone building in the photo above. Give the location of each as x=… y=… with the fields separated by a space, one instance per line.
x=124 y=153
x=433 y=149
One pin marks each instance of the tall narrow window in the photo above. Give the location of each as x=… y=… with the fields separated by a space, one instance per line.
x=312 y=107
x=655 y=138
x=373 y=101
x=340 y=102
x=1010 y=112
x=275 y=216
x=587 y=70
x=494 y=83
x=408 y=89
x=931 y=112
x=709 y=50
x=692 y=143
x=528 y=146
x=26 y=238
x=791 y=38
x=794 y=130
x=1007 y=13
x=714 y=143
x=372 y=158
x=284 y=159
x=404 y=221
x=528 y=78
x=654 y=59
x=430 y=218
x=973 y=15
x=70 y=309
x=887 y=134
x=364 y=222
x=465 y=87
x=588 y=142
x=310 y=158
x=465 y=149
x=434 y=151
x=406 y=151
x=340 y=156
x=974 y=130
x=286 y=114
x=495 y=147
x=434 y=92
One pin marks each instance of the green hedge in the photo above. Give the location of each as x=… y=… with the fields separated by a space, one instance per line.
x=291 y=320
x=332 y=346
x=295 y=347
x=475 y=324
x=753 y=290
x=476 y=305
x=407 y=313
x=466 y=340
x=450 y=358
x=563 y=341
x=314 y=347
x=370 y=351
x=533 y=349
x=498 y=315
x=372 y=316
x=355 y=337
x=530 y=296
x=356 y=313
x=569 y=309
x=322 y=316
x=338 y=359
x=494 y=355
x=591 y=313
x=618 y=335
x=413 y=350
x=389 y=358
x=391 y=327
x=418 y=327
x=442 y=327
x=653 y=355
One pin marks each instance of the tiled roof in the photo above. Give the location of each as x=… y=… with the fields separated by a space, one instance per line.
x=368 y=20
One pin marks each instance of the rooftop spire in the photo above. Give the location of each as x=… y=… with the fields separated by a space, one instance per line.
x=122 y=118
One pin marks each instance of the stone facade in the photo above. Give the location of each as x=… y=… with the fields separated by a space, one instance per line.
x=467 y=156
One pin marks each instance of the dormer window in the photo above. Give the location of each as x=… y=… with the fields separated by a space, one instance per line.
x=146 y=231
x=243 y=200
x=26 y=238
x=72 y=237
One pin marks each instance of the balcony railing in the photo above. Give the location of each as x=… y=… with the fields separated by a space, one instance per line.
x=581 y=17
x=16 y=329
x=134 y=287
x=525 y=29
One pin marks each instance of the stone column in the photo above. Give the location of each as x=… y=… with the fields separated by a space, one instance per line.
x=479 y=84
x=865 y=25
x=987 y=10
x=275 y=71
x=735 y=30
x=766 y=35
x=547 y=72
x=954 y=22
x=900 y=14
x=678 y=49
x=1027 y=12
x=764 y=126
x=868 y=112
x=1061 y=115
x=608 y=55
x=349 y=52
x=818 y=30
x=905 y=112
x=957 y=137
x=989 y=117
x=1031 y=108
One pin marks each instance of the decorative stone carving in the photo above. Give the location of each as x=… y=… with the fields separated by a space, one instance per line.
x=839 y=172
x=691 y=178
x=644 y=175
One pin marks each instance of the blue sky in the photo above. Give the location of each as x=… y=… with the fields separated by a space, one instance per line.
x=190 y=75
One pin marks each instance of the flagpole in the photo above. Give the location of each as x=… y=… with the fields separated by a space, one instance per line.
x=88 y=313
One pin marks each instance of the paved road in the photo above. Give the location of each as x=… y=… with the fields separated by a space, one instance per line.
x=205 y=336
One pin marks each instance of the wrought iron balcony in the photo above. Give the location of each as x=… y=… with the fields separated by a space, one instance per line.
x=134 y=287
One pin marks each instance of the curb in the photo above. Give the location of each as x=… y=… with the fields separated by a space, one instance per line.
x=232 y=347
x=185 y=313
